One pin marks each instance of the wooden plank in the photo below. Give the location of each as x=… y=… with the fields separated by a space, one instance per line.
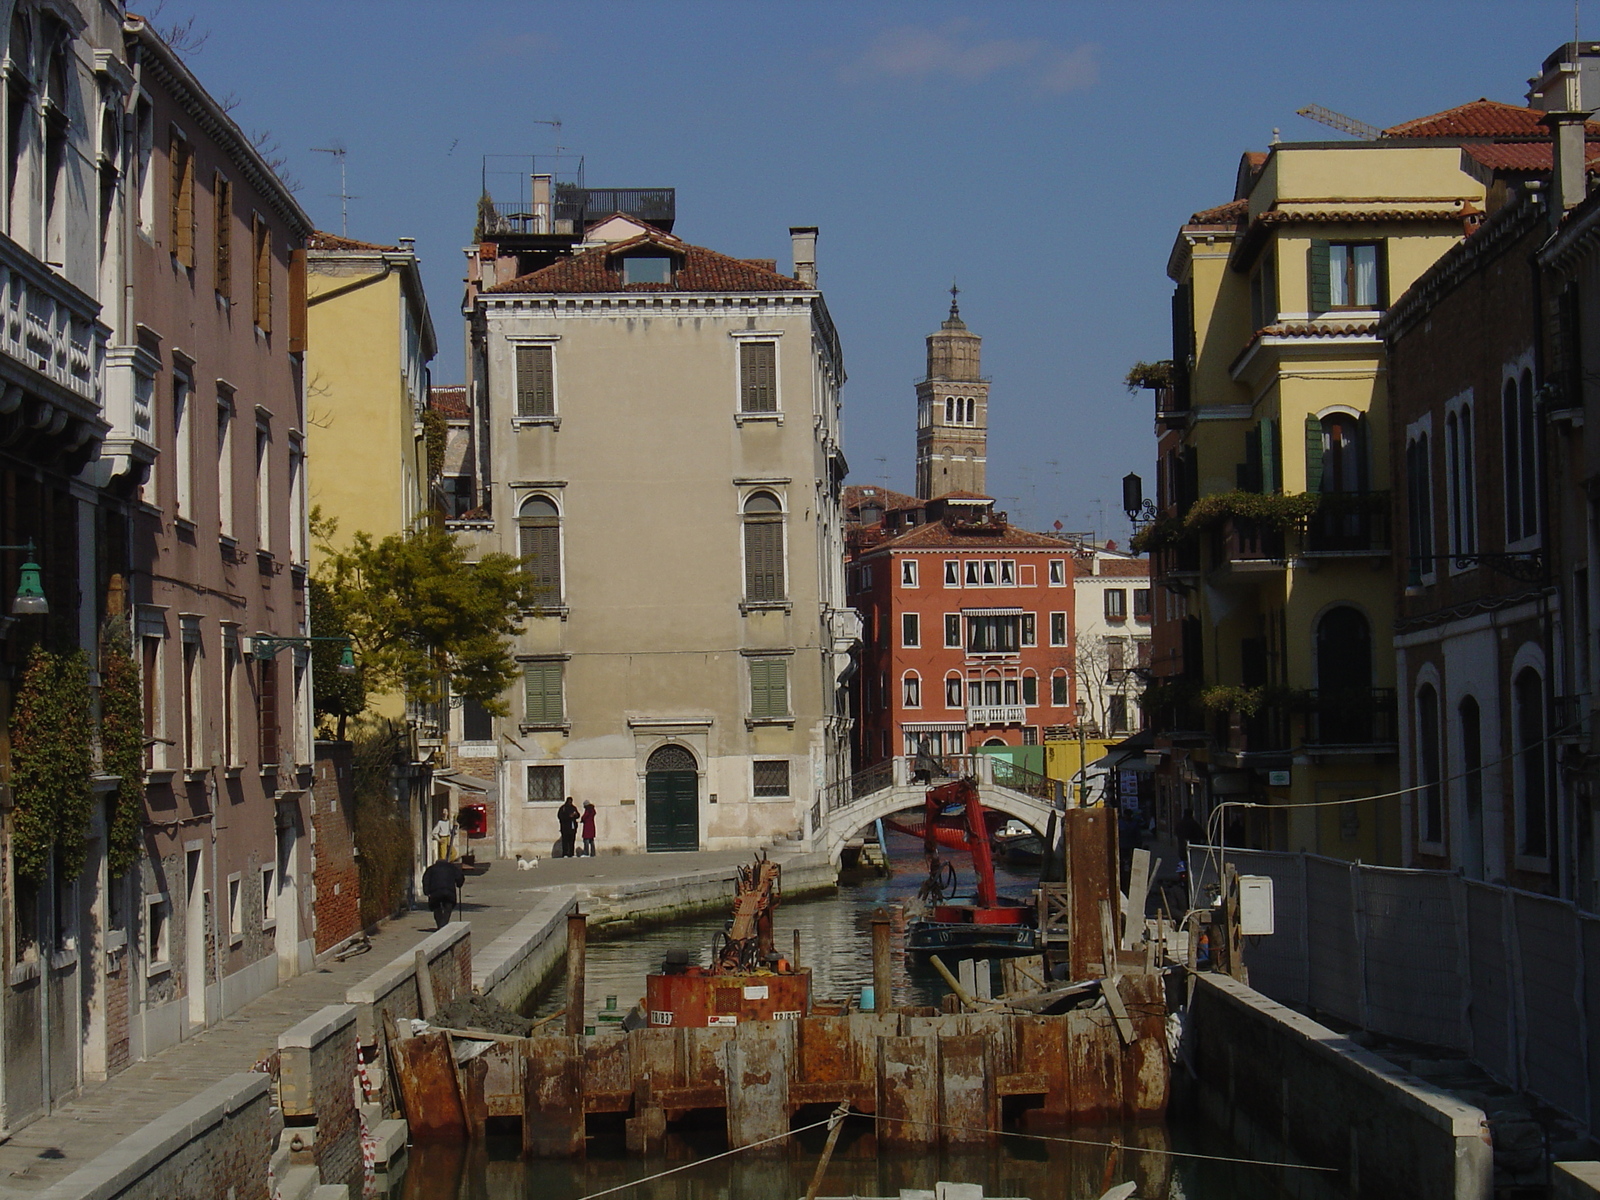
x=908 y=1095
x=1133 y=903
x=968 y=1106
x=760 y=1059
x=1119 y=1011
x=425 y=1073
x=552 y=1103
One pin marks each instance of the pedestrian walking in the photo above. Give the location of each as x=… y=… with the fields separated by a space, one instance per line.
x=444 y=836
x=441 y=883
x=588 y=828
x=567 y=815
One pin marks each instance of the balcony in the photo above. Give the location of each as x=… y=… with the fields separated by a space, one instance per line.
x=1352 y=524
x=996 y=714
x=1570 y=718
x=1245 y=546
x=1361 y=719
x=572 y=207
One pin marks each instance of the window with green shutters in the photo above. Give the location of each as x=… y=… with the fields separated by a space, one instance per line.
x=763 y=549
x=541 y=681
x=1345 y=275
x=769 y=687
x=758 y=377
x=539 y=534
x=536 y=385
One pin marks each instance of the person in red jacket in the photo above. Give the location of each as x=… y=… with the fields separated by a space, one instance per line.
x=588 y=828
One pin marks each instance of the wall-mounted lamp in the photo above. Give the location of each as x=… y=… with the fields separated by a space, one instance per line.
x=30 y=601
x=264 y=647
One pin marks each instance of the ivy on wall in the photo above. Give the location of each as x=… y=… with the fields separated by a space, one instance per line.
x=52 y=758
x=122 y=751
x=435 y=429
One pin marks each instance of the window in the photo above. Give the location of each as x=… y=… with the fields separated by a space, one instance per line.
x=1472 y=783
x=952 y=691
x=1008 y=572
x=56 y=125
x=770 y=777
x=193 y=716
x=157 y=939
x=1116 y=604
x=267 y=710
x=763 y=549
x=225 y=467
x=1117 y=713
x=1009 y=692
x=236 y=905
x=910 y=629
x=182 y=200
x=539 y=532
x=1532 y=818
x=546 y=783
x=536 y=386
x=908 y=572
x=541 y=690
x=769 y=688
x=1116 y=658
x=1141 y=604
x=1460 y=481
x=1058 y=689
x=155 y=755
x=145 y=135
x=1419 y=505
x=1058 y=629
x=297 y=496
x=1429 y=775
x=911 y=691
x=182 y=451
x=758 y=377
x=263 y=490
x=269 y=896
x=1058 y=572
x=993 y=634
x=971 y=573
x=477 y=723
x=952 y=630
x=222 y=254
x=20 y=53
x=1264 y=293
x=261 y=272
x=230 y=698
x=647 y=268
x=1030 y=689
x=1030 y=636
x=989 y=566
x=1521 y=459
x=1344 y=275
x=952 y=573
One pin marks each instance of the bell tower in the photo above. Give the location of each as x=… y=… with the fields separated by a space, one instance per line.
x=952 y=411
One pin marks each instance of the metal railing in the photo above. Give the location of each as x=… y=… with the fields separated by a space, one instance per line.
x=1351 y=717
x=1018 y=778
x=1349 y=523
x=1240 y=539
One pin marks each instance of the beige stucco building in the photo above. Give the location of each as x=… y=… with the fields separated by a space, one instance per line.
x=662 y=444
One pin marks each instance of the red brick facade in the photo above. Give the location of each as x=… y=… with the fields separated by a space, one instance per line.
x=335 y=876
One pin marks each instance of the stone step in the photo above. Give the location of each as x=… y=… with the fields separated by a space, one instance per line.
x=331 y=1191
x=298 y=1183
x=391 y=1137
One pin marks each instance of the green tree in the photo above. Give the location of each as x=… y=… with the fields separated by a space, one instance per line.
x=51 y=762
x=422 y=617
x=336 y=694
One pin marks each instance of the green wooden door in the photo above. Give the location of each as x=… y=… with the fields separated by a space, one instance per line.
x=672 y=810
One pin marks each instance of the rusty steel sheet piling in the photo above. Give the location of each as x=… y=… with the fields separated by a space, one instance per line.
x=552 y=1090
x=882 y=963
x=908 y=1093
x=969 y=1108
x=425 y=1071
x=577 y=954
x=760 y=1065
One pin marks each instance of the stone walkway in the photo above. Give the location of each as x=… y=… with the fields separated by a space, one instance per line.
x=105 y=1113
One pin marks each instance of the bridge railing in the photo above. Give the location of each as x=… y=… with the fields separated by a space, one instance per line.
x=902 y=771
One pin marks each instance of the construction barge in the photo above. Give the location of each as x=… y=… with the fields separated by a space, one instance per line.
x=742 y=1043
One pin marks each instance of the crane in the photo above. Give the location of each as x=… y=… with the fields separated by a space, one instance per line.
x=1344 y=124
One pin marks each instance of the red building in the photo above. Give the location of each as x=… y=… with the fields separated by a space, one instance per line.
x=968 y=626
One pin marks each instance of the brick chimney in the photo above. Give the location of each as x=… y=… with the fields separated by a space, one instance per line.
x=804 y=240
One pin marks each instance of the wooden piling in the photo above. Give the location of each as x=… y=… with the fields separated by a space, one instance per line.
x=882 y=964
x=577 y=952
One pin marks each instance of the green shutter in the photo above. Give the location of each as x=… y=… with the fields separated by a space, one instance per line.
x=1030 y=689
x=541 y=553
x=542 y=693
x=763 y=560
x=1313 y=453
x=1321 y=285
x=1250 y=469
x=1267 y=446
x=535 y=382
x=758 y=390
x=769 y=687
x=1363 y=452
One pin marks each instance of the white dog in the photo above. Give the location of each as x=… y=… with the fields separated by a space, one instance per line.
x=526 y=864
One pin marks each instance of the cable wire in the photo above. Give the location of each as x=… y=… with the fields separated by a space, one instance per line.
x=777 y=1137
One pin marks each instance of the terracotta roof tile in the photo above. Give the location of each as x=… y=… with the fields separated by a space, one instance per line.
x=1320 y=329
x=701 y=270
x=1232 y=213
x=1530 y=157
x=332 y=241
x=958 y=494
x=857 y=494
x=1479 y=118
x=936 y=534
x=450 y=399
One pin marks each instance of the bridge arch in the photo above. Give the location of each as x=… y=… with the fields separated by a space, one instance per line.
x=844 y=823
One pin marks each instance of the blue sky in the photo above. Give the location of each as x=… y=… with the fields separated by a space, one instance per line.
x=1043 y=154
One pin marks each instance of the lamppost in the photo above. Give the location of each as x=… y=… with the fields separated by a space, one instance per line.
x=1140 y=511
x=1082 y=709
x=264 y=647
x=30 y=600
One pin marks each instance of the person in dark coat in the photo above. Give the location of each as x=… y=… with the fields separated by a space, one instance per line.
x=567 y=815
x=440 y=884
x=588 y=829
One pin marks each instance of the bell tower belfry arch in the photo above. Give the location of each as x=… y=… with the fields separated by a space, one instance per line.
x=952 y=411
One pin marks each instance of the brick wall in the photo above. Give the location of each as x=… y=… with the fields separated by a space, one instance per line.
x=336 y=913
x=317 y=1067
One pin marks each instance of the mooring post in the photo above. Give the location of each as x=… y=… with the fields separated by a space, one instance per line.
x=882 y=964
x=577 y=950
x=794 y=962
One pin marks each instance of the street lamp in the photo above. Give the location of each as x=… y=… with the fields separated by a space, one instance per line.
x=30 y=601
x=1140 y=511
x=265 y=647
x=1082 y=709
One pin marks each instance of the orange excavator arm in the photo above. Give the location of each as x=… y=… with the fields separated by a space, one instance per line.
x=964 y=792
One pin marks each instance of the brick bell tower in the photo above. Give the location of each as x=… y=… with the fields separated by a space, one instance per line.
x=952 y=411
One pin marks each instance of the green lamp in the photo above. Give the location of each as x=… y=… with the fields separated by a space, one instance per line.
x=347 y=661
x=30 y=601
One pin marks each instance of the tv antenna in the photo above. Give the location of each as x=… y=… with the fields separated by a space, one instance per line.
x=1344 y=124
x=555 y=132
x=339 y=153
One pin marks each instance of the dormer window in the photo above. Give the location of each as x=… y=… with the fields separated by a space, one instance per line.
x=640 y=268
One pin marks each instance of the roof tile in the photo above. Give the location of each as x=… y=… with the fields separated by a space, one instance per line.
x=1479 y=118
x=701 y=270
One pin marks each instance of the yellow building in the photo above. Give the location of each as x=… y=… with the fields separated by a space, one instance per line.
x=369 y=341
x=1274 y=621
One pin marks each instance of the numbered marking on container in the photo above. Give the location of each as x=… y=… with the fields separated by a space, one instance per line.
x=657 y=1017
x=755 y=991
x=722 y=1020
x=788 y=1014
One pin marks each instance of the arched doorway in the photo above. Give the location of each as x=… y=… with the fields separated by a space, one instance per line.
x=671 y=800
x=1344 y=677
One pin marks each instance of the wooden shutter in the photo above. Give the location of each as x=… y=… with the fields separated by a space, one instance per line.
x=536 y=392
x=182 y=201
x=1267 y=447
x=1321 y=278
x=542 y=693
x=1313 y=453
x=1249 y=473
x=267 y=698
x=769 y=687
x=261 y=272
x=1182 y=346
x=758 y=384
x=541 y=553
x=223 y=204
x=763 y=560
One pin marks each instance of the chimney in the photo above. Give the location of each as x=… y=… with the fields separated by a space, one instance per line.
x=804 y=239
x=1569 y=175
x=407 y=245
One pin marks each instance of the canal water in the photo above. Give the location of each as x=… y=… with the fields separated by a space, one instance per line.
x=1077 y=1163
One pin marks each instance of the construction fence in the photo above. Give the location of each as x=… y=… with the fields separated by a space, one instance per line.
x=1509 y=978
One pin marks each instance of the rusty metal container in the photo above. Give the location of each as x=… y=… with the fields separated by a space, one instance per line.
x=699 y=1001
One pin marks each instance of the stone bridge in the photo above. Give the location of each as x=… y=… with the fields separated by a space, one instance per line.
x=853 y=804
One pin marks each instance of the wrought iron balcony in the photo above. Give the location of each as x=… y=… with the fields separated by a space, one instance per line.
x=1351 y=717
x=1570 y=717
x=1245 y=544
x=1349 y=523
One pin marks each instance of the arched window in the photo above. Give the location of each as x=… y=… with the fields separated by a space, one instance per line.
x=539 y=531
x=1343 y=455
x=56 y=111
x=1470 y=726
x=1429 y=775
x=1419 y=504
x=763 y=548
x=911 y=690
x=1058 y=689
x=1527 y=700
x=1343 y=712
x=1030 y=689
x=952 y=691
x=1521 y=458
x=1461 y=481
x=671 y=758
